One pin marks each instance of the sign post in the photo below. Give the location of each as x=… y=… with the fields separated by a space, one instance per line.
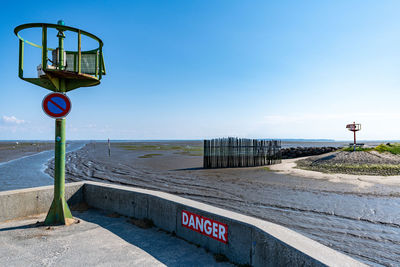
x=69 y=70
x=354 y=127
x=57 y=105
x=59 y=211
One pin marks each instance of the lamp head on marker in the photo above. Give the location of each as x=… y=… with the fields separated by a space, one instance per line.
x=61 y=32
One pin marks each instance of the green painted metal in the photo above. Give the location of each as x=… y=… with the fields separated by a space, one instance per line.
x=62 y=78
x=101 y=63
x=95 y=75
x=60 y=62
x=59 y=212
x=44 y=47
x=21 y=59
x=55 y=26
x=45 y=83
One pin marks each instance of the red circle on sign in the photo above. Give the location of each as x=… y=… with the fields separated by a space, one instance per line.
x=56 y=109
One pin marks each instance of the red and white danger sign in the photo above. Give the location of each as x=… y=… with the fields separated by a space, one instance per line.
x=205 y=226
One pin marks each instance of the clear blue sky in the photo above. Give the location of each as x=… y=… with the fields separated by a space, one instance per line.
x=202 y=69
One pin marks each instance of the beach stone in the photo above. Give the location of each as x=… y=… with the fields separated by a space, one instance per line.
x=297 y=152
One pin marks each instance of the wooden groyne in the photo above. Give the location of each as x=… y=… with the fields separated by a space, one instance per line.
x=239 y=152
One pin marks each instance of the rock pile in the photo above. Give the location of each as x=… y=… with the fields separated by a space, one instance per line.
x=297 y=152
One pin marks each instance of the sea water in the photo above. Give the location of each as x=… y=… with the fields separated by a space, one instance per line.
x=28 y=171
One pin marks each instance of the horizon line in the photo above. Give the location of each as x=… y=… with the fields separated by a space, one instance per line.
x=281 y=139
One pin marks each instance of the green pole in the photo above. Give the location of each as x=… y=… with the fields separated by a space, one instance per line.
x=61 y=37
x=59 y=212
x=44 y=47
x=21 y=59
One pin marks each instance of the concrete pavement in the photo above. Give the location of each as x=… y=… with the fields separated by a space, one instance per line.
x=99 y=239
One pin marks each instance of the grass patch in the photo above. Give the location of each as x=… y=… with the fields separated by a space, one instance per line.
x=141 y=147
x=391 y=148
x=363 y=169
x=350 y=149
x=19 y=145
x=191 y=150
x=382 y=148
x=149 y=156
x=180 y=149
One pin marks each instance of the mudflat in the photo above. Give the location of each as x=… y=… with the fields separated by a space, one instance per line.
x=176 y=167
x=14 y=150
x=353 y=215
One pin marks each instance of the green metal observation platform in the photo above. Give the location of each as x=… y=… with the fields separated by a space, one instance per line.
x=67 y=70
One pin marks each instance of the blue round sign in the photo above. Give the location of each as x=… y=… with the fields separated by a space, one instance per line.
x=56 y=105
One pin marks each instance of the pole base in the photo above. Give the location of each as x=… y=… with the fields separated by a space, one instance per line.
x=59 y=213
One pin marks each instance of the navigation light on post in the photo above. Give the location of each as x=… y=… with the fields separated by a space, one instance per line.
x=66 y=71
x=354 y=127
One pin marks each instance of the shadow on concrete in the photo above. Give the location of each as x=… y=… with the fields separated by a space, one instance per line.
x=163 y=246
x=27 y=226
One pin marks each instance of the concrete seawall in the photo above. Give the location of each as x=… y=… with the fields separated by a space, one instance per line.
x=21 y=203
x=250 y=240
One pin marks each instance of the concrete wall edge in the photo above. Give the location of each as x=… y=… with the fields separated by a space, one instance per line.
x=303 y=244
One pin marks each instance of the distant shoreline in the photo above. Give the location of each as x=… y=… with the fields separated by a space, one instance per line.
x=182 y=140
x=14 y=150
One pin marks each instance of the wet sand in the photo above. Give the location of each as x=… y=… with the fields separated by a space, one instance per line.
x=355 y=216
x=15 y=150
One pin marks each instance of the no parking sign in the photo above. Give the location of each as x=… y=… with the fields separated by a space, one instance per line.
x=56 y=105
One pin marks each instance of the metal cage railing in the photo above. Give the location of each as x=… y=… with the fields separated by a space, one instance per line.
x=79 y=62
